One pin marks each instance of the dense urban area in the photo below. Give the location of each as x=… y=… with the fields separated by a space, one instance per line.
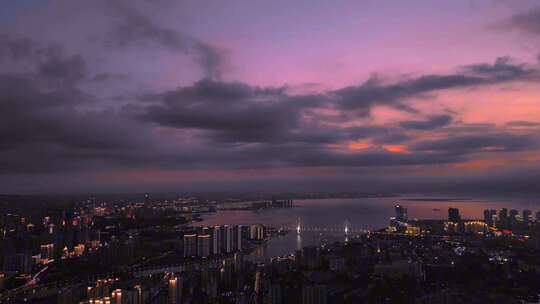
x=148 y=250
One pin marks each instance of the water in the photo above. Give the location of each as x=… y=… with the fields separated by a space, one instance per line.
x=359 y=213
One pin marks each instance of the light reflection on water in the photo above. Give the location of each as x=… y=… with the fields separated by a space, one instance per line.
x=360 y=213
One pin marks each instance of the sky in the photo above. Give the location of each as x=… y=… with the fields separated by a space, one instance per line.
x=162 y=95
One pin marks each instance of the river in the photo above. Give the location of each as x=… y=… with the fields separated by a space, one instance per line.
x=358 y=213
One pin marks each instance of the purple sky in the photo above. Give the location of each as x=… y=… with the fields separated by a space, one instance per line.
x=161 y=95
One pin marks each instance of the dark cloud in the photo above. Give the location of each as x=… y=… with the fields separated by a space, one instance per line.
x=42 y=125
x=16 y=48
x=374 y=92
x=523 y=123
x=494 y=142
x=64 y=69
x=503 y=70
x=429 y=124
x=235 y=111
x=34 y=115
x=49 y=62
x=527 y=22
x=137 y=29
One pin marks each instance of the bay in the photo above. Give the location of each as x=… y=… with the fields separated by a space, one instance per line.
x=356 y=213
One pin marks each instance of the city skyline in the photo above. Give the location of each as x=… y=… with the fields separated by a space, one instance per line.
x=148 y=96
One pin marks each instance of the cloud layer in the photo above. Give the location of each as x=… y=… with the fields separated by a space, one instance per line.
x=68 y=111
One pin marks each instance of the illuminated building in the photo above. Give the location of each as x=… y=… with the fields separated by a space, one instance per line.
x=30 y=227
x=258 y=283
x=401 y=213
x=138 y=296
x=47 y=252
x=100 y=211
x=203 y=243
x=452 y=227
x=51 y=228
x=240 y=237
x=190 y=245
x=116 y=296
x=412 y=231
x=79 y=249
x=175 y=290
x=257 y=232
x=475 y=227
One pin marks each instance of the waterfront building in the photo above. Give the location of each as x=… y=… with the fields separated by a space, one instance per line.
x=190 y=245
x=490 y=217
x=527 y=216
x=204 y=244
x=503 y=221
x=216 y=240
x=453 y=215
x=228 y=239
x=401 y=213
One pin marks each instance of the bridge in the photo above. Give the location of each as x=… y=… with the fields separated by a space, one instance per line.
x=345 y=228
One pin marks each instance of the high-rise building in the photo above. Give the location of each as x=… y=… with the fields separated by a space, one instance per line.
x=240 y=237
x=513 y=218
x=310 y=256
x=513 y=213
x=537 y=216
x=204 y=244
x=275 y=294
x=175 y=290
x=401 y=213
x=190 y=245
x=490 y=216
x=257 y=232
x=18 y=262
x=258 y=283
x=487 y=217
x=228 y=239
x=216 y=240
x=314 y=294
x=138 y=295
x=453 y=215
x=503 y=220
x=116 y=296
x=47 y=252
x=527 y=216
